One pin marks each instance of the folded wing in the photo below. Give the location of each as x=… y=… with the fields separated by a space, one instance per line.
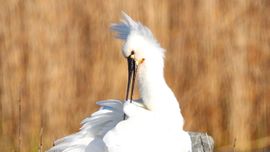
x=93 y=129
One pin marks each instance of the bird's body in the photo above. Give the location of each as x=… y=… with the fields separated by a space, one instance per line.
x=153 y=123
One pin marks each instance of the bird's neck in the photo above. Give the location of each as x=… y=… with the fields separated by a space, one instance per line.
x=154 y=90
x=157 y=96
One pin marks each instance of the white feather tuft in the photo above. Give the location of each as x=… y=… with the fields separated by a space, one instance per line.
x=128 y=25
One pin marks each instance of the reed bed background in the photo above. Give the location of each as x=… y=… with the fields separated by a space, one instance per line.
x=57 y=58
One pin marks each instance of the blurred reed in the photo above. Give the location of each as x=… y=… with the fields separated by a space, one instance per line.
x=57 y=58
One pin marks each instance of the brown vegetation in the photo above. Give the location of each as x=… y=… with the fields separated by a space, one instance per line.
x=57 y=58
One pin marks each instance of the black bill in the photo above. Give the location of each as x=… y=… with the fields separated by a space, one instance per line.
x=132 y=69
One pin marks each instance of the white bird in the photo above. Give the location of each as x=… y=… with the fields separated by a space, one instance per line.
x=153 y=123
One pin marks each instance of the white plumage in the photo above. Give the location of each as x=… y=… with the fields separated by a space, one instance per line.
x=93 y=128
x=154 y=123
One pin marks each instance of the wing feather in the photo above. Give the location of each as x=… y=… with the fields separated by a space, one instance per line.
x=93 y=129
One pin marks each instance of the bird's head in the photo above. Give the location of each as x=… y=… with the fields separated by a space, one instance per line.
x=140 y=47
x=136 y=47
x=140 y=43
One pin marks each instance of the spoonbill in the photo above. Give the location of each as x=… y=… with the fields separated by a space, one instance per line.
x=153 y=123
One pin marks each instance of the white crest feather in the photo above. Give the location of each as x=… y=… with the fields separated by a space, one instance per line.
x=128 y=25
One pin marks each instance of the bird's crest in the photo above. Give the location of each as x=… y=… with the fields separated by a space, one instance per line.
x=128 y=25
